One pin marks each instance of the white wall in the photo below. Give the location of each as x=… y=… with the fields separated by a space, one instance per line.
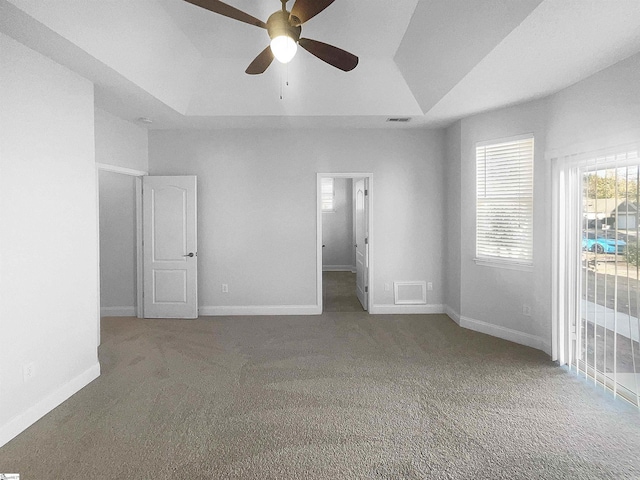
x=120 y=143
x=337 y=229
x=49 y=235
x=139 y=40
x=257 y=207
x=599 y=112
x=117 y=244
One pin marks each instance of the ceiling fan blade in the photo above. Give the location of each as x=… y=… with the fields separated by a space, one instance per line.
x=328 y=53
x=261 y=62
x=228 y=11
x=304 y=10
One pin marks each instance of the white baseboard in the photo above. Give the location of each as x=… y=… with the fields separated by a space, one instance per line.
x=453 y=315
x=406 y=309
x=117 y=311
x=339 y=268
x=505 y=333
x=24 y=420
x=260 y=310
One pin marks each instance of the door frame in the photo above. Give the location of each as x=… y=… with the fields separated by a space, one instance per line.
x=352 y=175
x=138 y=174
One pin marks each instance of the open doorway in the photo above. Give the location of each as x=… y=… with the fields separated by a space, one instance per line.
x=344 y=237
x=120 y=259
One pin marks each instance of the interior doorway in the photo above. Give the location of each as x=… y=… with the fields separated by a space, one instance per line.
x=344 y=240
x=119 y=212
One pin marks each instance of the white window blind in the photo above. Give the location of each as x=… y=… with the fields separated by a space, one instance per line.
x=504 y=201
x=326 y=192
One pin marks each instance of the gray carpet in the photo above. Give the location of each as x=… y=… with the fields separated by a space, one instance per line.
x=337 y=396
x=339 y=292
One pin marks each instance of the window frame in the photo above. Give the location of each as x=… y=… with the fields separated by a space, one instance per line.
x=324 y=195
x=514 y=263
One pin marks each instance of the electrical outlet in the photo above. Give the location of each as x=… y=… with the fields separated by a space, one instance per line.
x=28 y=371
x=225 y=288
x=430 y=286
x=526 y=310
x=387 y=287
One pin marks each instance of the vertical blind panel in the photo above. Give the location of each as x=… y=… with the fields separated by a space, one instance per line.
x=606 y=344
x=504 y=201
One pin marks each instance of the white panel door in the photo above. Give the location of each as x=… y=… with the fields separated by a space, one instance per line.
x=362 y=247
x=170 y=247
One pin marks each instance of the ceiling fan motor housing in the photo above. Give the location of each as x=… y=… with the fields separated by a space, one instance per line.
x=284 y=28
x=278 y=24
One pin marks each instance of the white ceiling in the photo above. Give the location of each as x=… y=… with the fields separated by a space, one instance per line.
x=432 y=60
x=349 y=24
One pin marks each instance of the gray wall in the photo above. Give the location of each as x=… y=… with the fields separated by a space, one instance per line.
x=600 y=112
x=453 y=234
x=117 y=244
x=337 y=228
x=497 y=295
x=257 y=207
x=119 y=143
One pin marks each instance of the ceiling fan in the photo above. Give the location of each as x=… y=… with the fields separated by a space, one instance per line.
x=284 y=28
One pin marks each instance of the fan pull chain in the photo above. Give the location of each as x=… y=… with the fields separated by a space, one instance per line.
x=284 y=81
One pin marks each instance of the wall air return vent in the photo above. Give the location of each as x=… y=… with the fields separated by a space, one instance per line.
x=410 y=293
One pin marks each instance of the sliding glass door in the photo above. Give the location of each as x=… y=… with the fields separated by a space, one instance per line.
x=596 y=268
x=604 y=332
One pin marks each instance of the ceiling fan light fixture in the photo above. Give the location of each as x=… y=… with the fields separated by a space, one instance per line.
x=284 y=28
x=284 y=48
x=284 y=36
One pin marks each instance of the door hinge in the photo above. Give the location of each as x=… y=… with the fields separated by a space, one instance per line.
x=366 y=241
x=366 y=192
x=366 y=289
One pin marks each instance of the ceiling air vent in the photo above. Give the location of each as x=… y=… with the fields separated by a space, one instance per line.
x=398 y=119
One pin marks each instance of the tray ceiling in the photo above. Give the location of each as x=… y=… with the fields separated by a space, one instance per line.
x=432 y=60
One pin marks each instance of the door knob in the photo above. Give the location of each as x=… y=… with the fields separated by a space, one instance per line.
x=190 y=254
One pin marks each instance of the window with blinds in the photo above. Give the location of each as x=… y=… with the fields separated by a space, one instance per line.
x=327 y=194
x=504 y=201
